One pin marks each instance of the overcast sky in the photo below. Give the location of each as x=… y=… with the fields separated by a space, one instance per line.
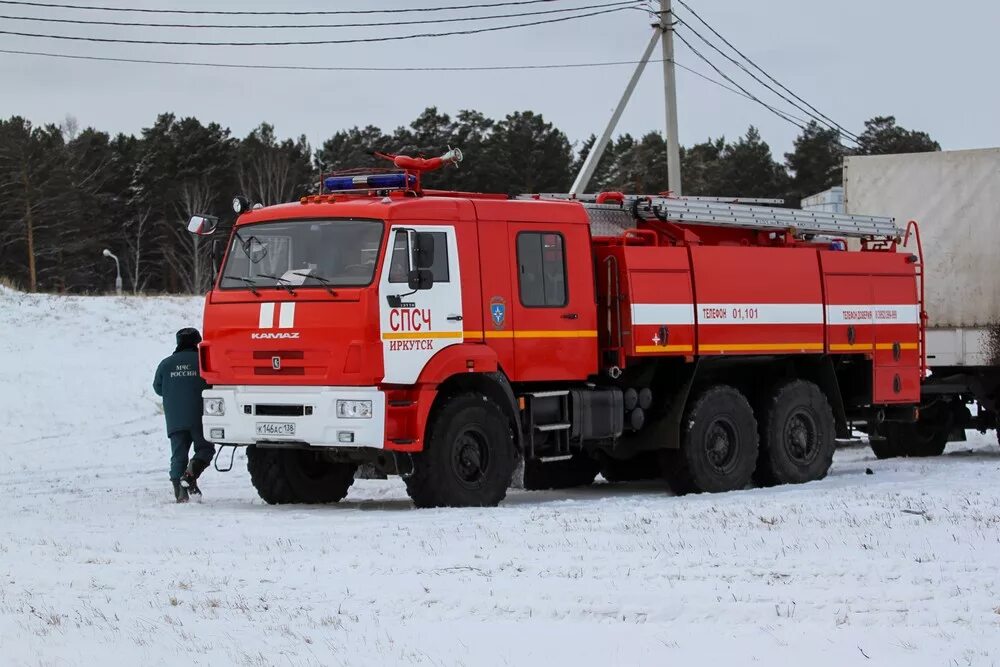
x=931 y=64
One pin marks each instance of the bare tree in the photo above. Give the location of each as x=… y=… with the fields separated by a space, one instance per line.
x=269 y=172
x=187 y=255
x=70 y=128
x=135 y=232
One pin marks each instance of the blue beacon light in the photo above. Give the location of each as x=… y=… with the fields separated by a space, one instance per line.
x=371 y=182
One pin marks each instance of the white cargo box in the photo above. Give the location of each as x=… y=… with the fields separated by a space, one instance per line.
x=955 y=197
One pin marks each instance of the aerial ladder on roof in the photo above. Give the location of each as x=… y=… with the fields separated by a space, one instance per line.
x=613 y=213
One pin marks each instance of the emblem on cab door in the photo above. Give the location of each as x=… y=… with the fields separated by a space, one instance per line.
x=498 y=311
x=276 y=363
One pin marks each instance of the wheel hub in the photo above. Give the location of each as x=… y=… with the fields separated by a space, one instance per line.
x=801 y=441
x=470 y=457
x=721 y=445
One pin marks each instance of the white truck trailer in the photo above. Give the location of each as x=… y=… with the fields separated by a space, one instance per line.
x=955 y=198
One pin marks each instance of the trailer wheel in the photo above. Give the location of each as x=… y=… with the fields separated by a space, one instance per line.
x=718 y=445
x=577 y=471
x=468 y=458
x=284 y=477
x=642 y=466
x=797 y=432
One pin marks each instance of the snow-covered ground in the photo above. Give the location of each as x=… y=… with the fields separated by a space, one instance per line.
x=98 y=566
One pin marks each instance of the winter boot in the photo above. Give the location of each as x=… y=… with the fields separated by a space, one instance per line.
x=180 y=492
x=190 y=479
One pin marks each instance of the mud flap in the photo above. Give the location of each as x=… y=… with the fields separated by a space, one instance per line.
x=828 y=382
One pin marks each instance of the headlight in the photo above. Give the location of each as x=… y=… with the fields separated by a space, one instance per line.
x=213 y=407
x=354 y=409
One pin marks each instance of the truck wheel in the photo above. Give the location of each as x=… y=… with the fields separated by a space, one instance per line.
x=577 y=471
x=797 y=434
x=718 y=446
x=642 y=466
x=468 y=457
x=295 y=476
x=920 y=439
x=883 y=448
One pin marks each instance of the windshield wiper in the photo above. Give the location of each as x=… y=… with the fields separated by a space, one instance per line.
x=283 y=283
x=326 y=283
x=250 y=283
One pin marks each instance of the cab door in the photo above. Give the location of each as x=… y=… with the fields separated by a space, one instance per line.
x=555 y=315
x=416 y=325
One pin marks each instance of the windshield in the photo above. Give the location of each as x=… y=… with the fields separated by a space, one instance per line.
x=307 y=253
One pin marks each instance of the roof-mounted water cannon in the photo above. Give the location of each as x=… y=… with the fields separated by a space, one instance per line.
x=419 y=164
x=382 y=181
x=416 y=166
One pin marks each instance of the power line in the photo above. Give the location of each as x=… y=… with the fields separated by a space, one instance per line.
x=829 y=121
x=324 y=68
x=459 y=19
x=356 y=40
x=725 y=87
x=333 y=68
x=746 y=92
x=770 y=88
x=329 y=12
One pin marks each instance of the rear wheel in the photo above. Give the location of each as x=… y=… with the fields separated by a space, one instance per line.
x=883 y=447
x=797 y=432
x=468 y=457
x=297 y=476
x=718 y=445
x=919 y=439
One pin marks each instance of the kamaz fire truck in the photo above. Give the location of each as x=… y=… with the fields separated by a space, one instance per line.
x=452 y=338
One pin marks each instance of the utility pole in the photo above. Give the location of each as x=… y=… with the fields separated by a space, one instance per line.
x=663 y=32
x=670 y=97
x=597 y=150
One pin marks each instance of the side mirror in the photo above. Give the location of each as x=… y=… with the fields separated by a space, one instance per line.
x=423 y=250
x=203 y=225
x=420 y=279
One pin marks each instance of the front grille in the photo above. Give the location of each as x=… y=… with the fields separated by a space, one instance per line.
x=284 y=354
x=292 y=370
x=279 y=410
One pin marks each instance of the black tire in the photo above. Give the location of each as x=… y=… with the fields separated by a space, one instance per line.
x=920 y=439
x=640 y=467
x=577 y=471
x=284 y=476
x=718 y=444
x=883 y=448
x=369 y=471
x=468 y=457
x=797 y=436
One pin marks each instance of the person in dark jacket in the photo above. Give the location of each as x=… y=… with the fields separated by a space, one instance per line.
x=178 y=381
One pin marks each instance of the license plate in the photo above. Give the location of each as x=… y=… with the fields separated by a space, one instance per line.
x=271 y=428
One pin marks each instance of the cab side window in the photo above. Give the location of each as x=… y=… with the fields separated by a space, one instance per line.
x=541 y=260
x=399 y=266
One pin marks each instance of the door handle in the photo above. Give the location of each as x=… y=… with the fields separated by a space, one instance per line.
x=454 y=318
x=570 y=316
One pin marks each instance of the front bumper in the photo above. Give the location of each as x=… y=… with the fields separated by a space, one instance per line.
x=249 y=407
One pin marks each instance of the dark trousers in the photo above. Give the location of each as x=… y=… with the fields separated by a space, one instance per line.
x=180 y=445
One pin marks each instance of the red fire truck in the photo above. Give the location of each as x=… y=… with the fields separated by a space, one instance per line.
x=452 y=338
